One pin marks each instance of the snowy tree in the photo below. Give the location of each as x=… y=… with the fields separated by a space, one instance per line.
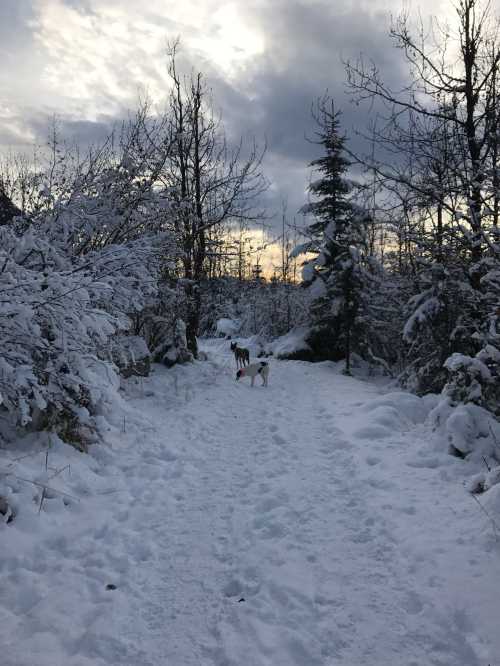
x=438 y=161
x=259 y=307
x=81 y=263
x=336 y=276
x=212 y=183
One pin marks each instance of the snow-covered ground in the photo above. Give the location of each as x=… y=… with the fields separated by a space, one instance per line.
x=313 y=522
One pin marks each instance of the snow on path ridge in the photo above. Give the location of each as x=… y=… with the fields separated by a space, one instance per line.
x=308 y=523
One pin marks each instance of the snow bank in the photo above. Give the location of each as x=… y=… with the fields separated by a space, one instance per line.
x=491 y=501
x=394 y=411
x=292 y=345
x=469 y=430
x=475 y=379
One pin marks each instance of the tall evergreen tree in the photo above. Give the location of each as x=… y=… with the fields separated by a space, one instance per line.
x=337 y=237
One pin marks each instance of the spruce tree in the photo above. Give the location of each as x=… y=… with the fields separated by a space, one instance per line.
x=336 y=275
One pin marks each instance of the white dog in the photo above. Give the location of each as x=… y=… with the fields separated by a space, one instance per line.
x=253 y=370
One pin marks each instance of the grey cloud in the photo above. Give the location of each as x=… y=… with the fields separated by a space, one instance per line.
x=10 y=139
x=14 y=22
x=82 y=132
x=306 y=46
x=16 y=43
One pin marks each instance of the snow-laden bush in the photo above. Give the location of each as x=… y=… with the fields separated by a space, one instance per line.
x=131 y=355
x=469 y=402
x=469 y=430
x=57 y=316
x=74 y=273
x=50 y=331
x=484 y=480
x=162 y=324
x=475 y=379
x=176 y=349
x=442 y=319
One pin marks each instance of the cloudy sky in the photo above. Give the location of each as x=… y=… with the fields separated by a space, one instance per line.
x=88 y=61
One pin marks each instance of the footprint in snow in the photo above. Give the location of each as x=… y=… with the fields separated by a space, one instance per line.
x=342 y=444
x=269 y=529
x=268 y=504
x=426 y=463
x=362 y=537
x=412 y=603
x=233 y=589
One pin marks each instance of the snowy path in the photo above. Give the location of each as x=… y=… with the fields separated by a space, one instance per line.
x=310 y=523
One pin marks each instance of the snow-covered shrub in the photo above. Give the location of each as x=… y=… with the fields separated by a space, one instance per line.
x=176 y=349
x=475 y=379
x=442 y=319
x=469 y=430
x=162 y=321
x=57 y=316
x=131 y=355
x=75 y=273
x=484 y=480
x=50 y=330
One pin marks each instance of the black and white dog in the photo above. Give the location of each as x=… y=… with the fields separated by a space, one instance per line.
x=253 y=370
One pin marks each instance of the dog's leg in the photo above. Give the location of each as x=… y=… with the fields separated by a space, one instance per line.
x=253 y=379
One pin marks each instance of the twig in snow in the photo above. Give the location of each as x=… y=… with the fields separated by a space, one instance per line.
x=42 y=485
x=58 y=471
x=497 y=443
x=495 y=526
x=26 y=455
x=41 y=500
